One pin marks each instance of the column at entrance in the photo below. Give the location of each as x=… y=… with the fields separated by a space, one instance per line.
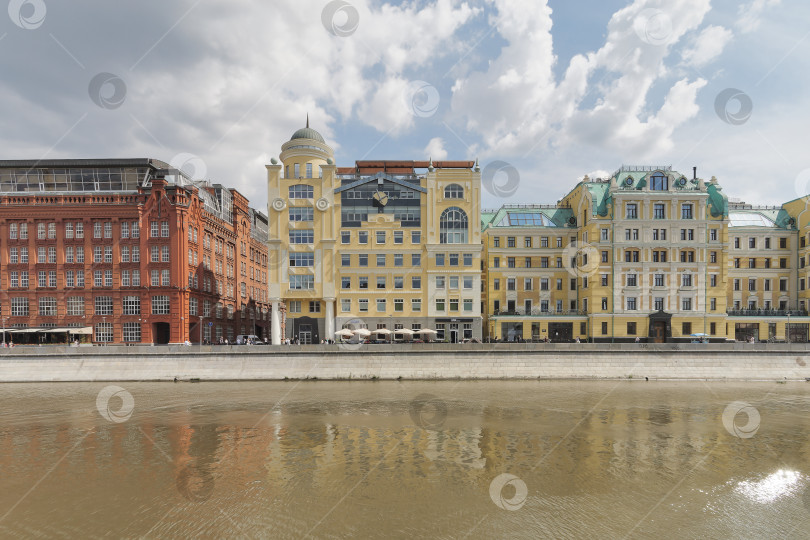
x=329 y=328
x=275 y=323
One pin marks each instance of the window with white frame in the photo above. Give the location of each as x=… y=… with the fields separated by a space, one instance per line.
x=103 y=305
x=132 y=305
x=160 y=305
x=132 y=332
x=47 y=306
x=75 y=306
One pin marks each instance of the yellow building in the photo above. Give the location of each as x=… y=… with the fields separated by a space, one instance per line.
x=640 y=254
x=387 y=245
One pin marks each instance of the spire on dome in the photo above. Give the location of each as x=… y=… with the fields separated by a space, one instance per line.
x=307 y=119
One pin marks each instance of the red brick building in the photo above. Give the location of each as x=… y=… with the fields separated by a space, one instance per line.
x=127 y=251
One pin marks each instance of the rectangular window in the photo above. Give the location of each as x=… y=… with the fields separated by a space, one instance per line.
x=345 y=259
x=416 y=282
x=160 y=305
x=302 y=236
x=165 y=278
x=164 y=229
x=416 y=237
x=380 y=260
x=454 y=259
x=300 y=258
x=41 y=231
x=686 y=280
x=300 y=191
x=398 y=259
x=440 y=259
x=12 y=231
x=314 y=306
x=47 y=306
x=345 y=237
x=362 y=259
x=631 y=211
x=631 y=329
x=381 y=237
x=686 y=211
x=362 y=304
x=659 y=211
x=301 y=213
x=510 y=241
x=398 y=237
x=362 y=237
x=345 y=305
x=381 y=305
x=416 y=304
x=132 y=305
x=713 y=236
x=104 y=305
x=381 y=282
x=631 y=304
x=440 y=282
x=416 y=260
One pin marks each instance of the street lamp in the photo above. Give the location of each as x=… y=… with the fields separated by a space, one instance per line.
x=787 y=330
x=4 y=331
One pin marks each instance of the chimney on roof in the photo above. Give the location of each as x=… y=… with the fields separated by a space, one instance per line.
x=694 y=173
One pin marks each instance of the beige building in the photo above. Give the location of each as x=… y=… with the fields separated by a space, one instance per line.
x=382 y=245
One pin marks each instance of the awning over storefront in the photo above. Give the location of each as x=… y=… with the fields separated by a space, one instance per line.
x=86 y=330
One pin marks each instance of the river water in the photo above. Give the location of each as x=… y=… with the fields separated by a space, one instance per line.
x=472 y=459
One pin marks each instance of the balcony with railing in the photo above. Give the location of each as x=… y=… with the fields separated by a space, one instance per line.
x=766 y=312
x=537 y=312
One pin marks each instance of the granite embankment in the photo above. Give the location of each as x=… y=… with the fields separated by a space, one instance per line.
x=737 y=361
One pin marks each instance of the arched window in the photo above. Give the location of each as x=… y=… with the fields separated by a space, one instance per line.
x=454 y=191
x=453 y=226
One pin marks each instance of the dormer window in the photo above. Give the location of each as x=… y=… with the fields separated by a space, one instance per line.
x=659 y=182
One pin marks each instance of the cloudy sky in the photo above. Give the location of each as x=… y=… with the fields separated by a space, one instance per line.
x=549 y=90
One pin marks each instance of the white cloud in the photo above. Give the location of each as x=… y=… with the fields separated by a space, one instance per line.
x=517 y=106
x=708 y=45
x=435 y=149
x=749 y=14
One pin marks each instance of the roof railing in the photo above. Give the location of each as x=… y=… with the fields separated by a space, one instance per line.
x=642 y=168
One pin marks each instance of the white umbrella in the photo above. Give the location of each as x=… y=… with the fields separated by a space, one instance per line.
x=406 y=331
x=383 y=331
x=344 y=332
x=426 y=331
x=363 y=332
